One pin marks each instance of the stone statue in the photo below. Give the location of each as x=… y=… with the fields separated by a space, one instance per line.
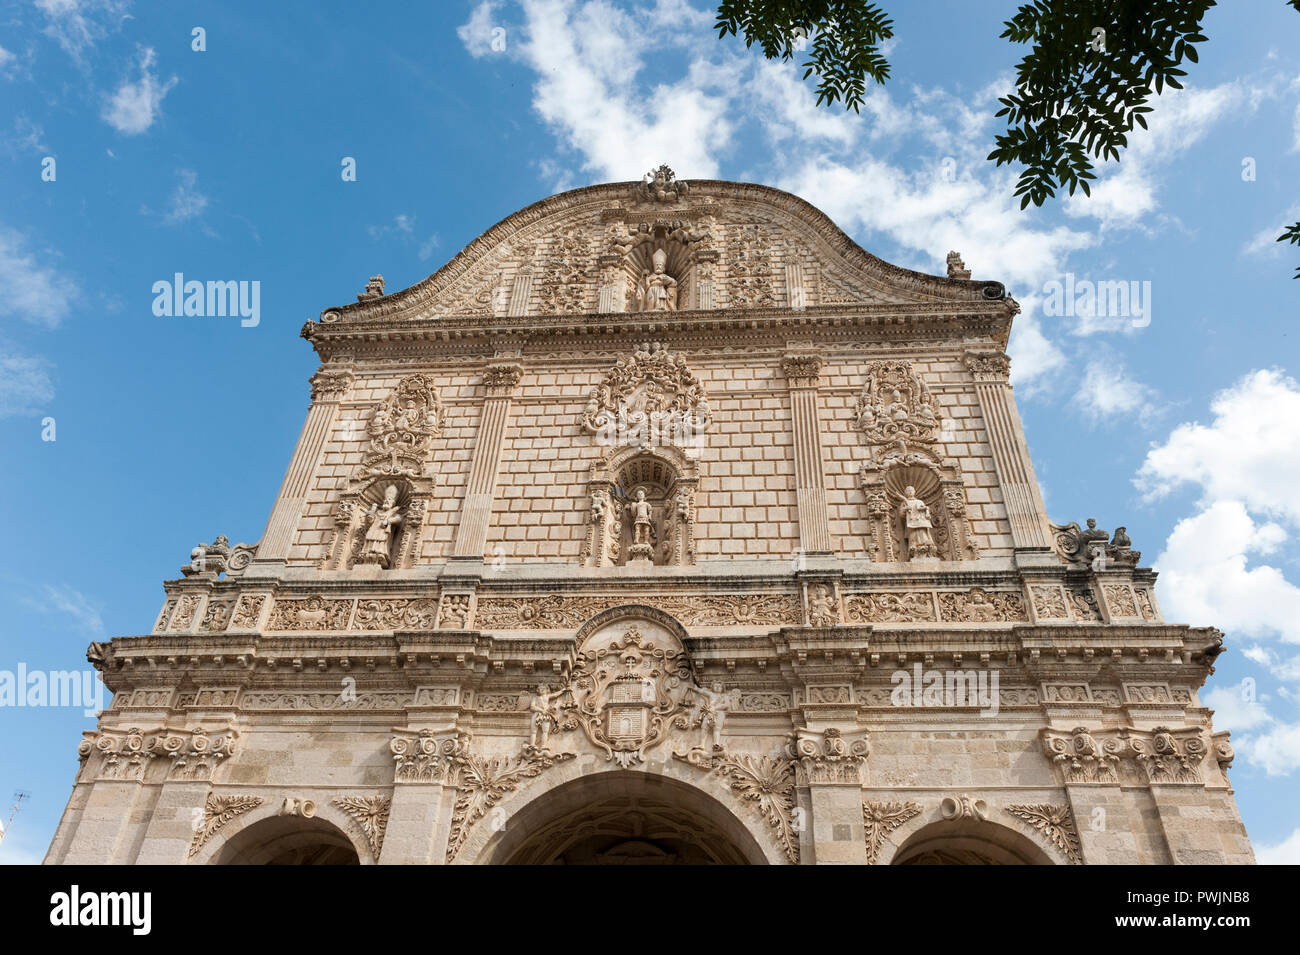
x=379 y=535
x=640 y=519
x=916 y=526
x=712 y=713
x=658 y=290
x=821 y=607
x=543 y=717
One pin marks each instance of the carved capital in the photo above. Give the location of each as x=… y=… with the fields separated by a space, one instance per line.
x=831 y=755
x=802 y=370
x=988 y=366
x=501 y=379
x=331 y=384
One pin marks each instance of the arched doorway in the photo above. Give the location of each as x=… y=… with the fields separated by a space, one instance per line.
x=624 y=818
x=969 y=842
x=288 y=840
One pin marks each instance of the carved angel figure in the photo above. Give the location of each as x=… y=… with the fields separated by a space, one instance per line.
x=543 y=716
x=714 y=706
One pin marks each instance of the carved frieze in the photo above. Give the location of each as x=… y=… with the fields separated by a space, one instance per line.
x=981 y=606
x=417 y=613
x=311 y=613
x=890 y=607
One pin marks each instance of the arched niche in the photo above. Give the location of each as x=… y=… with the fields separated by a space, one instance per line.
x=934 y=481
x=621 y=531
x=356 y=513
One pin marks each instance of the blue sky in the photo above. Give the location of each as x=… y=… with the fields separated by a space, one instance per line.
x=225 y=164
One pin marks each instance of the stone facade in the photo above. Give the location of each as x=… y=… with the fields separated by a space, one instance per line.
x=662 y=524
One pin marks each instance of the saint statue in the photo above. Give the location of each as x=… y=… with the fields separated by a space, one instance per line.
x=379 y=535
x=657 y=291
x=916 y=525
x=640 y=519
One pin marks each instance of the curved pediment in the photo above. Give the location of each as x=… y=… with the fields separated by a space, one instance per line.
x=661 y=245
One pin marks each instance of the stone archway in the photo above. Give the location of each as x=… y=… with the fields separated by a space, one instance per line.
x=287 y=840
x=969 y=842
x=624 y=818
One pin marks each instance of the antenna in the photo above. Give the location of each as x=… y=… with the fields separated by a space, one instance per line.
x=19 y=796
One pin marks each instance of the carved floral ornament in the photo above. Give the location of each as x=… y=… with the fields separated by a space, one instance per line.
x=402 y=428
x=895 y=407
x=650 y=398
x=187 y=753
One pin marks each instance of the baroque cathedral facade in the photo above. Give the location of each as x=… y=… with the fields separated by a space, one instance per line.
x=663 y=524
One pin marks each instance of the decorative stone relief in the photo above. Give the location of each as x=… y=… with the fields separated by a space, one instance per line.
x=823 y=604
x=563 y=611
x=879 y=819
x=370 y=813
x=377 y=523
x=1056 y=823
x=402 y=429
x=766 y=783
x=455 y=611
x=272 y=700
x=186 y=607
x=415 y=613
x=1119 y=598
x=661 y=185
x=247 y=612
x=1161 y=755
x=895 y=408
x=964 y=806
x=988 y=366
x=831 y=755
x=650 y=398
x=217 y=811
x=482 y=782
x=312 y=613
x=194 y=754
x=114 y=754
x=980 y=606
x=218 y=558
x=626 y=695
x=890 y=607
x=1089 y=546
x=1049 y=601
x=916 y=504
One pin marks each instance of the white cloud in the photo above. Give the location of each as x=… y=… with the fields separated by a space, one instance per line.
x=402 y=225
x=1204 y=575
x=1236 y=708
x=1126 y=193
x=1296 y=125
x=1107 y=392
x=135 y=106
x=1248 y=453
x=25 y=385
x=1277 y=751
x=34 y=291
x=76 y=25
x=1264 y=242
x=429 y=246
x=478 y=33
x=64 y=599
x=1286 y=852
x=187 y=202
x=7 y=60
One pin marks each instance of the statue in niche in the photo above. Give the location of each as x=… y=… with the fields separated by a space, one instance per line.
x=917 y=526
x=657 y=291
x=543 y=717
x=384 y=517
x=640 y=519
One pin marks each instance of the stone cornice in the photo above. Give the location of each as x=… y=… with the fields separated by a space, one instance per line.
x=956 y=322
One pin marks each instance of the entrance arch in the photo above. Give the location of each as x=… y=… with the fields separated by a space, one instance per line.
x=623 y=817
x=288 y=840
x=969 y=842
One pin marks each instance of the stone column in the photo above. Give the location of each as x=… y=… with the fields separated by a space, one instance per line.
x=328 y=386
x=500 y=380
x=803 y=373
x=1103 y=822
x=829 y=768
x=1020 y=494
x=520 y=290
